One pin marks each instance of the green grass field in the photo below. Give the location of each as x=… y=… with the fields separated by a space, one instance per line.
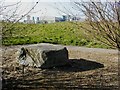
x=65 y=33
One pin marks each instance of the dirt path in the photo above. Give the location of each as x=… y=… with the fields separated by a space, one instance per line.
x=85 y=73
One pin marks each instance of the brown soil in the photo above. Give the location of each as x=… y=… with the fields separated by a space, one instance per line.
x=89 y=68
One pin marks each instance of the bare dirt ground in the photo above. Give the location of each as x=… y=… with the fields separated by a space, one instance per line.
x=90 y=68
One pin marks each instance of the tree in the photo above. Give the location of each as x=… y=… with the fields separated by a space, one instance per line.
x=103 y=19
x=9 y=16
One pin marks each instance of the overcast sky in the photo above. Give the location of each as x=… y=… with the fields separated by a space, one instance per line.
x=44 y=7
x=55 y=0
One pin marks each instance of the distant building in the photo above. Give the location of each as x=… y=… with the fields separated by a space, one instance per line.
x=33 y=19
x=76 y=18
x=67 y=18
x=29 y=20
x=64 y=18
x=58 y=19
x=38 y=20
x=49 y=19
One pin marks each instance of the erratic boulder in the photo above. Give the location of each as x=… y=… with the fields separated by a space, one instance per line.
x=43 y=56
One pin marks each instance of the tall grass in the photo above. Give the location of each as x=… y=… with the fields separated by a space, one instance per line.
x=65 y=33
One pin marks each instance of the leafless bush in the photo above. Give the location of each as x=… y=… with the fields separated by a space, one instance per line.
x=103 y=19
x=10 y=15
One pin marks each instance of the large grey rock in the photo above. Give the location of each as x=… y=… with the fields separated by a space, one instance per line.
x=44 y=56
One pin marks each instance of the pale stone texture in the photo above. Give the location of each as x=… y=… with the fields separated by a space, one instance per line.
x=45 y=56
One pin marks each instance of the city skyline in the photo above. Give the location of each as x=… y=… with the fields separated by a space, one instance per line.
x=36 y=20
x=45 y=8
